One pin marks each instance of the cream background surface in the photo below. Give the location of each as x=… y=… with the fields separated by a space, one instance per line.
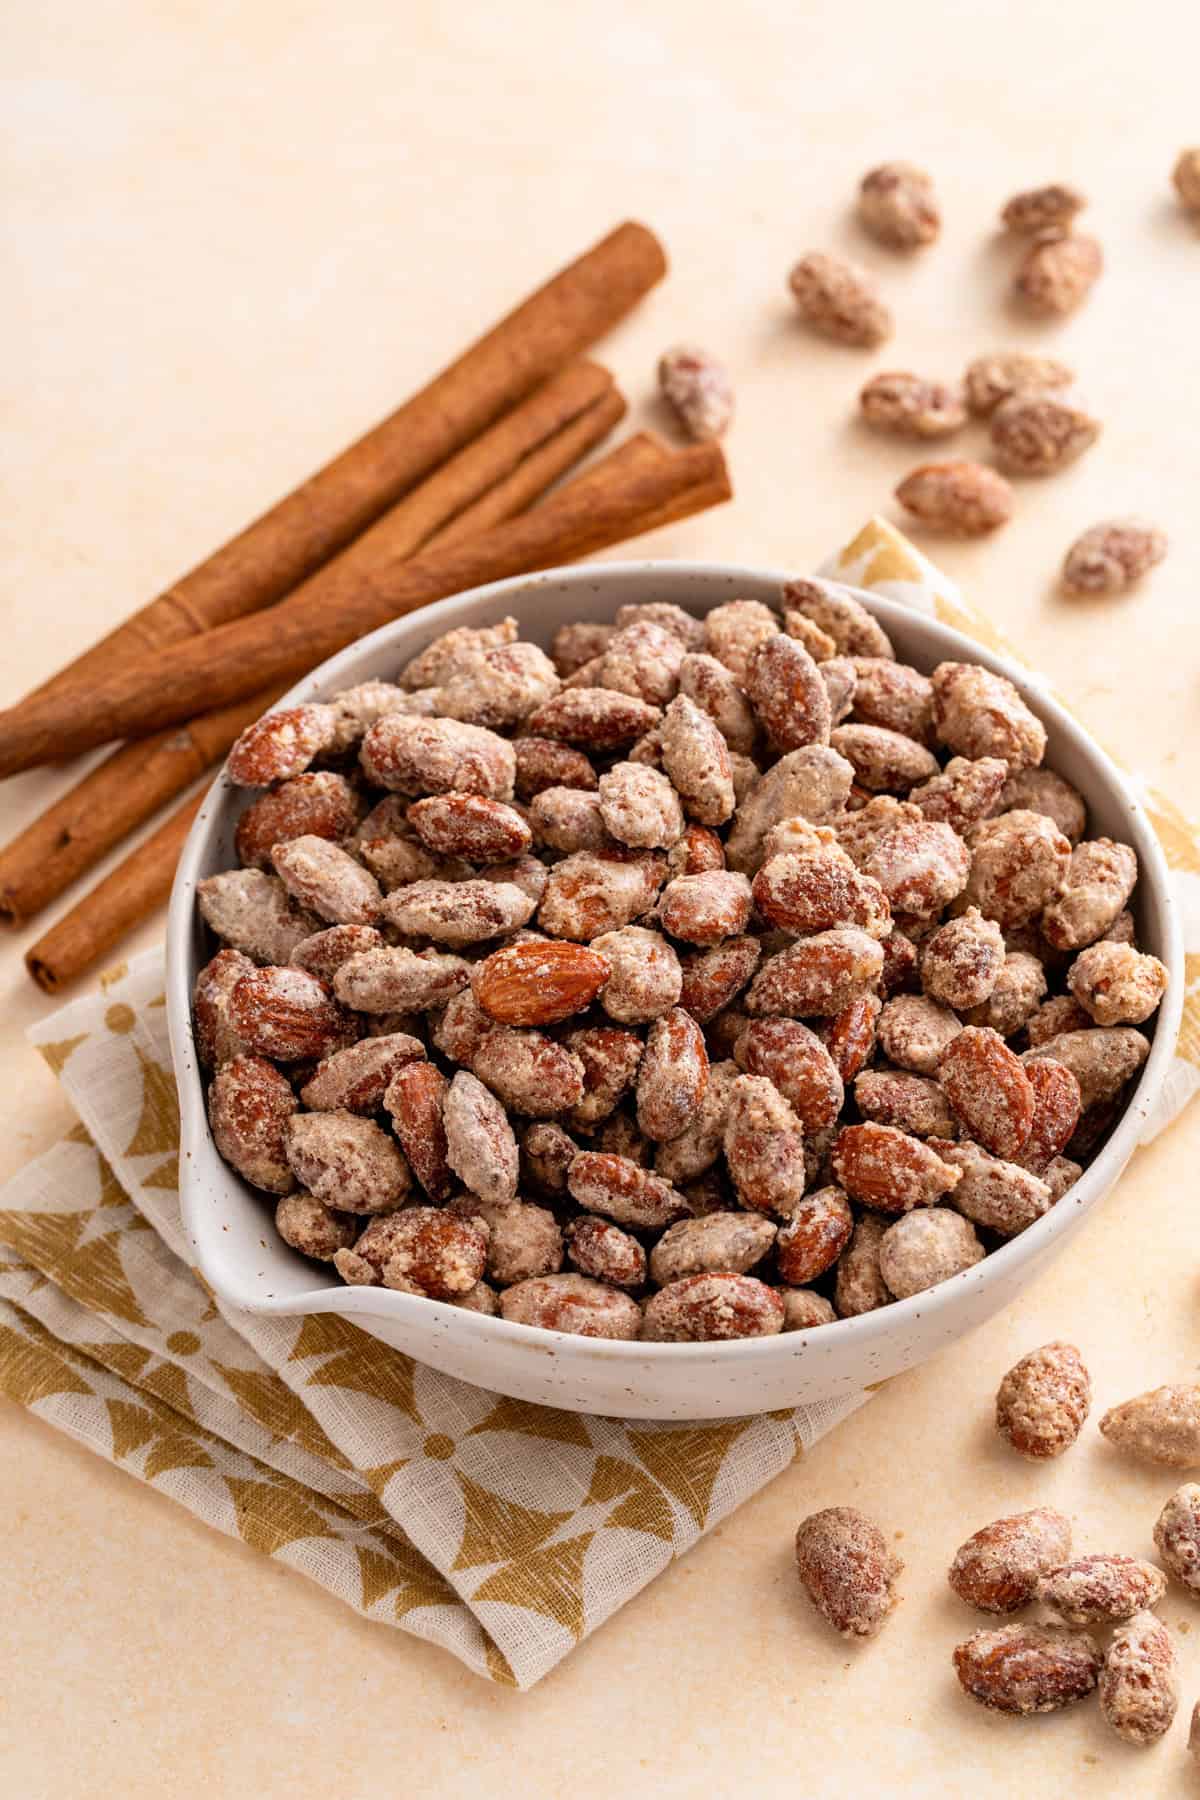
x=237 y=235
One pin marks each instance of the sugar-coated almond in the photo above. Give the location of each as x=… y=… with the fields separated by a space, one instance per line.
x=711 y=1308
x=1139 y=1683
x=1042 y=1403
x=886 y=1169
x=1027 y=1668
x=847 y=1570
x=998 y=1568
x=1162 y=1426
x=1102 y=1590
x=539 y=982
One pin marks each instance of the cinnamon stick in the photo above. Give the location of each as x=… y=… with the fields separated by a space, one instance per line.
x=117 y=796
x=130 y=785
x=330 y=509
x=134 y=889
x=534 y=473
x=365 y=587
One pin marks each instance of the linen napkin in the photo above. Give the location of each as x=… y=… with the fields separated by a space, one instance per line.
x=503 y=1531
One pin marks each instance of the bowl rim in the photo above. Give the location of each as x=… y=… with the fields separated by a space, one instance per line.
x=862 y=1330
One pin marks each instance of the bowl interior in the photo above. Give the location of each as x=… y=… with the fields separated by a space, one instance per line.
x=231 y=1226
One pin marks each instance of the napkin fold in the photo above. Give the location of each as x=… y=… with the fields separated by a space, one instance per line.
x=505 y=1532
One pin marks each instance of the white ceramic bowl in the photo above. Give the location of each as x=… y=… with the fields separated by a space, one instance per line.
x=230 y=1225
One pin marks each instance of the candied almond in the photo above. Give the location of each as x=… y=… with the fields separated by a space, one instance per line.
x=883 y=760
x=217 y=1039
x=1102 y=1590
x=696 y=758
x=697 y=851
x=713 y=687
x=804 y=1310
x=622 y=1190
x=859 y=1287
x=480 y=1146
x=913 y=1031
x=710 y=1309
x=1177 y=1535
x=393 y=979
x=593 y=719
x=1019 y=863
x=288 y=1015
x=1162 y=1426
x=1139 y=1683
x=348 y=1162
x=720 y=1243
x=325 y=951
x=920 y=865
x=847 y=1570
x=602 y=1250
x=805 y=894
x=496 y=687
x=640 y=808
x=1117 y=985
x=469 y=825
x=888 y=1170
x=843 y=617
x=681 y=624
x=249 y=1106
x=965 y=499
x=1098 y=882
x=1045 y=791
x=849 y=1036
x=354 y=1079
x=839 y=300
x=991 y=379
x=1110 y=557
x=912 y=1103
x=696 y=1149
x=764 y=1147
x=281 y=745
x=998 y=1568
x=705 y=909
x=539 y=982
x=711 y=979
x=569 y=819
x=1059 y=271
x=529 y=1072
x=579 y=642
x=313 y=1228
x=698 y=390
x=1024 y=1668
x=437 y=756
x=424 y=1250
x=610 y=1059
x=786 y=690
x=989 y=1090
x=812 y=1237
x=963 y=792
x=812 y=783
x=981 y=714
x=1041 y=1406
x=327 y=880
x=574 y=1304
x=910 y=406
x=594 y=891
x=818 y=643
x=1000 y=1196
x=1057 y=1104
x=459 y=913
x=816 y=975
x=643 y=977
x=925 y=1247
x=320 y=804
x=542 y=763
x=1054 y=204
x=546 y=1154
x=642 y=660
x=672 y=1076
x=961 y=962
x=437 y=662
x=254 y=913
x=1038 y=434
x=1019 y=987
x=523 y=1240
x=798 y=1064
x=415 y=1099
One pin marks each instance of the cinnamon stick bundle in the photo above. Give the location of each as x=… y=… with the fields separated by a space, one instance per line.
x=135 y=889
x=364 y=587
x=326 y=512
x=507 y=469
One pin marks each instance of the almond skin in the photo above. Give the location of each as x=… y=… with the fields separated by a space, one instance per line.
x=539 y=983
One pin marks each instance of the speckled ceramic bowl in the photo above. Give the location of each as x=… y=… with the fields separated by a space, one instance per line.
x=230 y=1225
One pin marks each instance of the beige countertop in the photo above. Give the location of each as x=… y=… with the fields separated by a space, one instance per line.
x=241 y=233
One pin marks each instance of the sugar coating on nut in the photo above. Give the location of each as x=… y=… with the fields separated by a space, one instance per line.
x=839 y=300
x=998 y=1568
x=1139 y=1683
x=963 y=499
x=925 y=1247
x=711 y=1308
x=847 y=1570
x=698 y=389
x=1027 y=1668
x=1177 y=1535
x=1043 y=1401
x=1162 y=1426
x=1102 y=1590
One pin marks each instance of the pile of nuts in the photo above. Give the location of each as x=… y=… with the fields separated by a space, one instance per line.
x=709 y=979
x=1036 y=423
x=1041 y=1665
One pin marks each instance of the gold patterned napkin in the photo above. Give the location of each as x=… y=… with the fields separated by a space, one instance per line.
x=503 y=1531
